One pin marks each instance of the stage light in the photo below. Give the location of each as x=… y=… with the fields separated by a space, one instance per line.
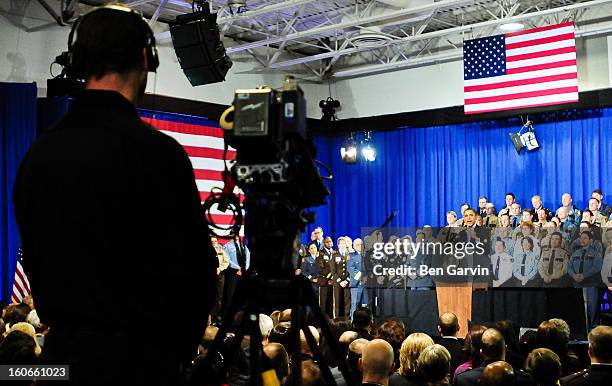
x=368 y=151
x=348 y=151
x=328 y=108
x=509 y=27
x=525 y=138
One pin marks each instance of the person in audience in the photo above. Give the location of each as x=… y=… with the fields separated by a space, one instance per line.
x=585 y=263
x=279 y=359
x=311 y=375
x=526 y=261
x=376 y=363
x=471 y=347
x=305 y=349
x=465 y=206
x=490 y=219
x=362 y=322
x=605 y=210
x=587 y=216
x=544 y=366
x=536 y=202
x=502 y=264
x=598 y=218
x=394 y=332
x=434 y=364
x=451 y=218
x=599 y=372
x=574 y=214
x=510 y=199
x=554 y=335
x=568 y=224
x=354 y=355
x=15 y=313
x=482 y=206
x=513 y=351
x=553 y=261
x=309 y=267
x=515 y=215
x=18 y=348
x=223 y=257
x=340 y=279
x=265 y=328
x=498 y=373
x=407 y=373
x=324 y=274
x=527 y=216
x=493 y=349
x=356 y=268
x=319 y=239
x=448 y=327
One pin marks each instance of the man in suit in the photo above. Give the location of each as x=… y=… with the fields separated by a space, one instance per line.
x=510 y=199
x=324 y=274
x=599 y=372
x=340 y=278
x=359 y=295
x=318 y=237
x=224 y=262
x=482 y=206
x=493 y=349
x=448 y=327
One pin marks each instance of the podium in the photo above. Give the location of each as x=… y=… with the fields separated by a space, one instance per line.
x=456 y=298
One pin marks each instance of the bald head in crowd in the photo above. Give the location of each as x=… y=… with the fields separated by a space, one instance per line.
x=600 y=345
x=448 y=324
x=304 y=347
x=278 y=358
x=498 y=373
x=377 y=362
x=493 y=347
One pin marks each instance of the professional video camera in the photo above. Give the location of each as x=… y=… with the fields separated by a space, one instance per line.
x=275 y=168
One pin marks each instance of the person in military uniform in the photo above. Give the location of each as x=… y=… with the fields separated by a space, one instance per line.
x=490 y=219
x=598 y=218
x=510 y=199
x=536 y=201
x=573 y=213
x=504 y=234
x=224 y=262
x=308 y=267
x=359 y=294
x=515 y=215
x=526 y=262
x=502 y=265
x=340 y=279
x=324 y=274
x=586 y=262
x=606 y=269
x=567 y=224
x=482 y=206
x=599 y=373
x=553 y=261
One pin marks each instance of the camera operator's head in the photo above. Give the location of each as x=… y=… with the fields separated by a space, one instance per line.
x=112 y=48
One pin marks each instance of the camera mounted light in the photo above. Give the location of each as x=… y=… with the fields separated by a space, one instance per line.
x=328 y=108
x=368 y=151
x=348 y=151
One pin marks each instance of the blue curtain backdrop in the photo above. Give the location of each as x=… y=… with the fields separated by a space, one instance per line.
x=424 y=172
x=17 y=132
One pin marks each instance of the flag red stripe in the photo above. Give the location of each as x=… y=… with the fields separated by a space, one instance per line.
x=540 y=54
x=521 y=107
x=19 y=272
x=205 y=195
x=207 y=152
x=539 y=29
x=544 y=66
x=529 y=94
x=522 y=82
x=14 y=298
x=203 y=174
x=21 y=292
x=536 y=42
x=185 y=128
x=223 y=219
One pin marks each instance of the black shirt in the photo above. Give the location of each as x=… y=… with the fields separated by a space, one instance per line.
x=113 y=237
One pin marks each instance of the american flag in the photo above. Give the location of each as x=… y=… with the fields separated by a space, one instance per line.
x=530 y=68
x=204 y=145
x=21 y=284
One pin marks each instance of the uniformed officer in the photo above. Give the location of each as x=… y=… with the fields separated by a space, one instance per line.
x=309 y=268
x=574 y=214
x=515 y=215
x=482 y=206
x=510 y=199
x=240 y=261
x=553 y=261
x=526 y=261
x=359 y=294
x=567 y=224
x=340 y=278
x=604 y=209
x=585 y=263
x=502 y=265
x=536 y=201
x=324 y=275
x=606 y=269
x=594 y=206
x=490 y=219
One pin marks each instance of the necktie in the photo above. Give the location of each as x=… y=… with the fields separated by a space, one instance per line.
x=514 y=222
x=487 y=222
x=497 y=268
x=581 y=267
x=523 y=264
x=241 y=256
x=551 y=263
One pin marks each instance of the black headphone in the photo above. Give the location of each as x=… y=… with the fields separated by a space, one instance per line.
x=68 y=58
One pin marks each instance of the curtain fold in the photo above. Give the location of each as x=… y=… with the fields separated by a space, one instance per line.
x=424 y=172
x=17 y=132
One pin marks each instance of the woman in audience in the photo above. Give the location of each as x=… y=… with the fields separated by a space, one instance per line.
x=394 y=332
x=544 y=367
x=434 y=365
x=407 y=374
x=554 y=335
x=473 y=341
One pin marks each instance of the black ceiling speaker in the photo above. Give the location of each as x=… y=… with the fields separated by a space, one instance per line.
x=198 y=47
